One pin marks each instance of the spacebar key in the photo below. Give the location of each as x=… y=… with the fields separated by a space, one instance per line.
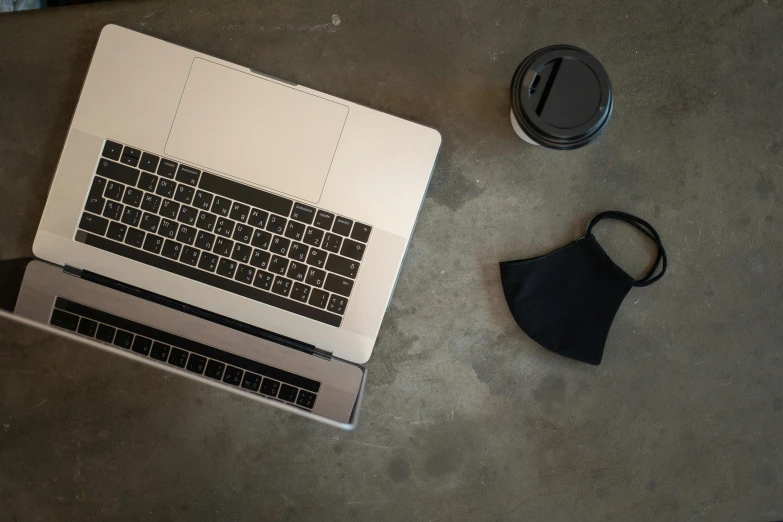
x=118 y=172
x=245 y=194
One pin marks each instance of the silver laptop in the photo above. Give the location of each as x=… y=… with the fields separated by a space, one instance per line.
x=227 y=225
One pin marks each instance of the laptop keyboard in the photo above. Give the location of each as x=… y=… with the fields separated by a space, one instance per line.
x=222 y=233
x=210 y=362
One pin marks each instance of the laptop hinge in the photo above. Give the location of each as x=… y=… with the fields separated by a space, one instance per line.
x=198 y=312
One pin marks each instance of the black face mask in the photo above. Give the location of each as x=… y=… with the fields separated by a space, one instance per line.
x=566 y=300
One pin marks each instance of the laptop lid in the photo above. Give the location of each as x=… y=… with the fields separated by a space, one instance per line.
x=184 y=340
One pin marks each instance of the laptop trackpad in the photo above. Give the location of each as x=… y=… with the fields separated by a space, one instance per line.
x=256 y=130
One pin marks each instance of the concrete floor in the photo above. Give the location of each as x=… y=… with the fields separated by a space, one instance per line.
x=465 y=417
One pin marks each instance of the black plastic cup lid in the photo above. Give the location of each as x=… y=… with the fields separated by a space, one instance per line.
x=561 y=97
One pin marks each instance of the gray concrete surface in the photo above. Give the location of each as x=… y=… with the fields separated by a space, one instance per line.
x=465 y=417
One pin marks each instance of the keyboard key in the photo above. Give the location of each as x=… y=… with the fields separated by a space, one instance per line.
x=313 y=236
x=287 y=393
x=264 y=280
x=94 y=224
x=226 y=267
x=215 y=370
x=202 y=200
x=123 y=339
x=294 y=230
x=316 y=258
x=142 y=345
x=282 y=286
x=261 y=239
x=196 y=363
x=113 y=210
x=188 y=175
x=151 y=203
x=332 y=243
x=270 y=387
x=259 y=259
x=189 y=255
x=342 y=226
x=129 y=160
x=241 y=253
x=167 y=168
x=148 y=181
x=224 y=226
x=300 y=292
x=361 y=232
x=149 y=222
x=324 y=220
x=208 y=262
x=343 y=266
x=245 y=194
x=169 y=209
x=239 y=212
x=243 y=233
x=131 y=216
x=153 y=243
x=171 y=249
x=206 y=221
x=95 y=199
x=305 y=399
x=160 y=351
x=337 y=304
x=168 y=228
x=279 y=265
x=318 y=298
x=65 y=320
x=105 y=333
x=184 y=193
x=133 y=153
x=87 y=327
x=257 y=218
x=353 y=249
x=111 y=150
x=276 y=224
x=132 y=197
x=245 y=274
x=166 y=188
x=205 y=240
x=221 y=206
x=298 y=251
x=340 y=285
x=149 y=162
x=118 y=172
x=134 y=237
x=303 y=213
x=315 y=277
x=279 y=245
x=116 y=231
x=297 y=271
x=232 y=376
x=251 y=381
x=114 y=190
x=187 y=215
x=178 y=357
x=223 y=246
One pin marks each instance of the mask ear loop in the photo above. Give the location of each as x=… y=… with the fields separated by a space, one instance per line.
x=646 y=229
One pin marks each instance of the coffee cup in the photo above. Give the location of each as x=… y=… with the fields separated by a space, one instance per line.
x=561 y=98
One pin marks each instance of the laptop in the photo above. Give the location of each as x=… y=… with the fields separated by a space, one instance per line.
x=226 y=225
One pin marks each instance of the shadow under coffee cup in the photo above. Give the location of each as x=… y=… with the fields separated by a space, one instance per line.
x=561 y=98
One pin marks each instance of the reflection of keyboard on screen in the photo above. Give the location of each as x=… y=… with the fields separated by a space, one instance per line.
x=193 y=356
x=223 y=233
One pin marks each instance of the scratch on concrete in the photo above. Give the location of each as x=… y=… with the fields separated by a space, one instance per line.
x=41 y=403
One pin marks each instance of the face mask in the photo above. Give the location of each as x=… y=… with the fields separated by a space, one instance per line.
x=566 y=300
